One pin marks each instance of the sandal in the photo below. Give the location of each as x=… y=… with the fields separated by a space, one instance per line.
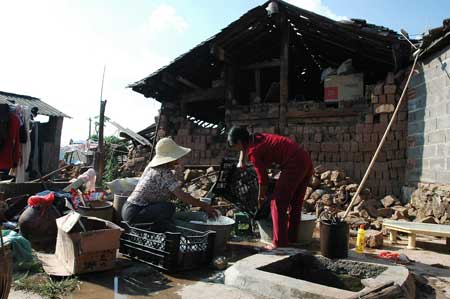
x=270 y=247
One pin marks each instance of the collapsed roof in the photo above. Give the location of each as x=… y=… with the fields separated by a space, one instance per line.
x=318 y=42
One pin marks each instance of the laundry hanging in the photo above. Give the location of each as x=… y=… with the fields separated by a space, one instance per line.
x=19 y=172
x=10 y=139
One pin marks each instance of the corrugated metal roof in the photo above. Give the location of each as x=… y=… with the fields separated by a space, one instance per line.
x=44 y=108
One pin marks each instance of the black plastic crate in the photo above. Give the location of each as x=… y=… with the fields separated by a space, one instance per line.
x=171 y=251
x=238 y=186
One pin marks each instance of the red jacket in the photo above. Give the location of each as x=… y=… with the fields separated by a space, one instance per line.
x=268 y=149
x=10 y=151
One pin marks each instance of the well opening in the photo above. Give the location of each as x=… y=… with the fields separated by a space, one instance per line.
x=340 y=274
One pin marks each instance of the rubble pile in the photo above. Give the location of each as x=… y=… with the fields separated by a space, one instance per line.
x=72 y=171
x=430 y=204
x=138 y=158
x=332 y=189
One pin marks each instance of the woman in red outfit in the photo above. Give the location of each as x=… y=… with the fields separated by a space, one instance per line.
x=264 y=150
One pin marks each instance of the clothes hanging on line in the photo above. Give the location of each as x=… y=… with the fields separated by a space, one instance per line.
x=34 y=166
x=10 y=143
x=19 y=172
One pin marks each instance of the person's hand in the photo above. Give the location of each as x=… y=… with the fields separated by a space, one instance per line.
x=211 y=212
x=240 y=165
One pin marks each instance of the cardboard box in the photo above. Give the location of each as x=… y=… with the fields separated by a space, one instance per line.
x=344 y=88
x=81 y=248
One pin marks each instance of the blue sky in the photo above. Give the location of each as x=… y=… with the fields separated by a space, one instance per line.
x=56 y=49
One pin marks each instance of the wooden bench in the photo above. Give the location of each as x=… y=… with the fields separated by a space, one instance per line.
x=413 y=229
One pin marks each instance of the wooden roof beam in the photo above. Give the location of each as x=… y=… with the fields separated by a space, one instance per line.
x=221 y=54
x=188 y=83
x=263 y=64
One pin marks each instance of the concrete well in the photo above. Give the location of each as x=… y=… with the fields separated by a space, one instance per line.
x=256 y=274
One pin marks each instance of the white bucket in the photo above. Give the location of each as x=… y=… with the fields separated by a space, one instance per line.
x=305 y=233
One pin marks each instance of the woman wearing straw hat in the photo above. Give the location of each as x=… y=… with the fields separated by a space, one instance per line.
x=150 y=200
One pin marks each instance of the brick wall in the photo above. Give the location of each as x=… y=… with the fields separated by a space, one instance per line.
x=429 y=121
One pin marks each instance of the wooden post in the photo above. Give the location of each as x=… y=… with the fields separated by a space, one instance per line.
x=284 y=72
x=393 y=236
x=230 y=78
x=101 y=145
x=257 y=86
x=155 y=136
x=411 y=241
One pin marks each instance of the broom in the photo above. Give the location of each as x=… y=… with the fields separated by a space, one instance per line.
x=5 y=269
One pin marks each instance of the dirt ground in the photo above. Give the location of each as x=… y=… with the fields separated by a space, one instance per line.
x=132 y=280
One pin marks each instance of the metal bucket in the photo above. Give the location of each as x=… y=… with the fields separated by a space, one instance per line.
x=97 y=208
x=334 y=239
x=196 y=221
x=305 y=233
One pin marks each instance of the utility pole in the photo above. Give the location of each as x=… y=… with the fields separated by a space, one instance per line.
x=100 y=153
x=101 y=144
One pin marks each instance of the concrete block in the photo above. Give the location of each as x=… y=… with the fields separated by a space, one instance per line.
x=431 y=125
x=439 y=109
x=429 y=151
x=443 y=122
x=442 y=177
x=440 y=150
x=437 y=163
x=436 y=137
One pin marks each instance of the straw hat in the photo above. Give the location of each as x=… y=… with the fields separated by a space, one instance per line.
x=168 y=151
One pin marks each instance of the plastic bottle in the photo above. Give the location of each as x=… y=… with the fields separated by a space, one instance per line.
x=360 y=239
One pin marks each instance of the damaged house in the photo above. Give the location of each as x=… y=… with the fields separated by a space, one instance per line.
x=48 y=133
x=329 y=85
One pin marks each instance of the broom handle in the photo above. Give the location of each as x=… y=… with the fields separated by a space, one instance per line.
x=374 y=158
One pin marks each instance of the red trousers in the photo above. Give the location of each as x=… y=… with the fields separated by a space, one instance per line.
x=288 y=197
